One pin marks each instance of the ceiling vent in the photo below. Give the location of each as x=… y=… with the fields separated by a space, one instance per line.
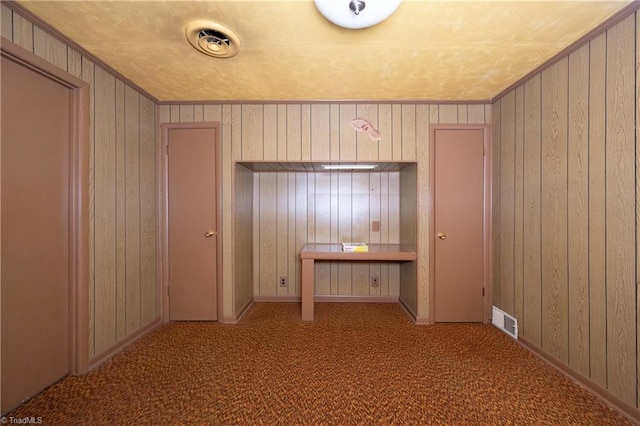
x=213 y=39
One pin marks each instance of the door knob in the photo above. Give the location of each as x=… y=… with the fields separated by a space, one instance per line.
x=442 y=235
x=209 y=234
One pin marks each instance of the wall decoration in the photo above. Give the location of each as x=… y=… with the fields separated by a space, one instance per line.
x=362 y=125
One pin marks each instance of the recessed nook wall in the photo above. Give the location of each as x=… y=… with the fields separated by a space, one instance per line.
x=304 y=205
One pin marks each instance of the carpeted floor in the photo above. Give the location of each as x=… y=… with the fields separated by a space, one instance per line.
x=355 y=364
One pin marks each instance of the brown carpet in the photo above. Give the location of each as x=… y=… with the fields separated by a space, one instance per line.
x=357 y=363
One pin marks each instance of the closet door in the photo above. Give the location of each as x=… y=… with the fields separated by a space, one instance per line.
x=35 y=149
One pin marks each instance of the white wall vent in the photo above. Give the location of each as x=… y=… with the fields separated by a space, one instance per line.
x=505 y=322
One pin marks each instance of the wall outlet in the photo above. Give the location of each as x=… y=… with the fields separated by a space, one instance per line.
x=375 y=282
x=283 y=282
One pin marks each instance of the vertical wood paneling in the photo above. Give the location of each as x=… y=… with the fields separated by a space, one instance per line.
x=367 y=149
x=282 y=132
x=408 y=132
x=282 y=232
x=344 y=224
x=234 y=117
x=333 y=199
x=360 y=229
x=49 y=48
x=105 y=227
x=267 y=222
x=148 y=213
x=334 y=131
x=321 y=206
x=132 y=203
x=88 y=75
x=507 y=188
x=423 y=199
x=270 y=138
x=475 y=114
x=252 y=132
x=256 y=252
x=320 y=133
x=294 y=133
x=120 y=201
x=186 y=113
x=22 y=32
x=394 y=229
x=447 y=113
x=374 y=215
x=385 y=147
x=300 y=222
x=198 y=113
x=212 y=113
x=6 y=22
x=305 y=132
x=597 y=211
x=396 y=132
x=620 y=207
x=294 y=265
x=175 y=113
x=495 y=202
x=234 y=283
x=518 y=266
x=463 y=114
x=578 y=219
x=637 y=121
x=348 y=150
x=532 y=319
x=554 y=211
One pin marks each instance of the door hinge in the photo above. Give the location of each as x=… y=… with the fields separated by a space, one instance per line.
x=482 y=291
x=167 y=150
x=169 y=290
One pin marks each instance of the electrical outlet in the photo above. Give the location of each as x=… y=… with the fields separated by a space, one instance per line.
x=283 y=282
x=375 y=282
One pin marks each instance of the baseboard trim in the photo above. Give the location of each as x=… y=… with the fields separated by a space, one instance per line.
x=356 y=299
x=234 y=319
x=329 y=298
x=631 y=412
x=97 y=360
x=283 y=298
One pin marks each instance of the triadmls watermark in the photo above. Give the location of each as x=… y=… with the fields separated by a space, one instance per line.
x=26 y=420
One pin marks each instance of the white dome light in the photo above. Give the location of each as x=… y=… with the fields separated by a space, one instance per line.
x=356 y=14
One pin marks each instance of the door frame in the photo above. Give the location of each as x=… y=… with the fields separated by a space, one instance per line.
x=78 y=198
x=164 y=213
x=487 y=269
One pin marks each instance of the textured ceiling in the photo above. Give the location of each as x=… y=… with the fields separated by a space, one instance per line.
x=444 y=50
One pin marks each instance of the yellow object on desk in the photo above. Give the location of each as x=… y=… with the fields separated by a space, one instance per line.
x=355 y=247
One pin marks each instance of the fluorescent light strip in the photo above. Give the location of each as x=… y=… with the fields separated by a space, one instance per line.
x=349 y=166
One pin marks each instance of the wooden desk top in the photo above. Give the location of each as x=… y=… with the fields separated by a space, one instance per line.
x=381 y=252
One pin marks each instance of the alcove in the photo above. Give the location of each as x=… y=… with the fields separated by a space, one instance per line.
x=279 y=207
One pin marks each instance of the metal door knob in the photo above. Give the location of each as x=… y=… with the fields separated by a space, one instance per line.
x=209 y=234
x=442 y=235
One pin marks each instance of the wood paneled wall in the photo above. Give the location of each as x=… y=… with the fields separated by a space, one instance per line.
x=123 y=206
x=292 y=209
x=318 y=132
x=565 y=209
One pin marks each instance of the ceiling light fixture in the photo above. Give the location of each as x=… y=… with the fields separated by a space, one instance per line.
x=356 y=14
x=349 y=166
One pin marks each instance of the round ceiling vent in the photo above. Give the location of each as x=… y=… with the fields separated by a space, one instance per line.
x=213 y=39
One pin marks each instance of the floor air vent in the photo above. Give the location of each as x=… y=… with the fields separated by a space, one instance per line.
x=505 y=322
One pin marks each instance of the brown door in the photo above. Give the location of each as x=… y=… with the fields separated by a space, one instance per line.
x=35 y=232
x=458 y=206
x=192 y=224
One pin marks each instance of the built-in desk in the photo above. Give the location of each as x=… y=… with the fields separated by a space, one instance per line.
x=333 y=252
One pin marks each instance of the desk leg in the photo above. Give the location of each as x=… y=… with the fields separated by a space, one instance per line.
x=308 y=289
